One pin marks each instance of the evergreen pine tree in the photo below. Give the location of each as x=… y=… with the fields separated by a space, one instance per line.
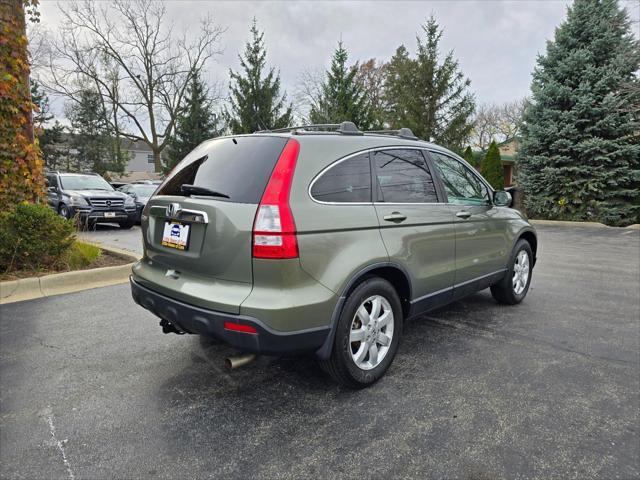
x=92 y=137
x=88 y=128
x=401 y=101
x=492 y=169
x=428 y=95
x=580 y=153
x=43 y=112
x=196 y=123
x=54 y=150
x=256 y=103
x=342 y=97
x=468 y=156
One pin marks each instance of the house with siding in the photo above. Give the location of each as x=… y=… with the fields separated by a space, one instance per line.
x=141 y=164
x=508 y=153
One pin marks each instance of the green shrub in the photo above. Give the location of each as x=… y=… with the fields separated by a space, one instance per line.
x=469 y=157
x=33 y=237
x=491 y=167
x=81 y=255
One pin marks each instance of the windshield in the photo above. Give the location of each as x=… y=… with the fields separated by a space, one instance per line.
x=84 y=182
x=144 y=190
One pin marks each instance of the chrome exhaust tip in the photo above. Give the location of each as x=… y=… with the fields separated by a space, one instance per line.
x=238 y=361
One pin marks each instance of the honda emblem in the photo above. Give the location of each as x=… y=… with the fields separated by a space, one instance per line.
x=173 y=209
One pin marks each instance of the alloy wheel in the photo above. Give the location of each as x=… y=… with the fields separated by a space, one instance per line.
x=371 y=332
x=520 y=272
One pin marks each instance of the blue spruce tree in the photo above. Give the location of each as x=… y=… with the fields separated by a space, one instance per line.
x=580 y=151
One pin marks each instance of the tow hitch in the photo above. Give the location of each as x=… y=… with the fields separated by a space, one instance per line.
x=168 y=327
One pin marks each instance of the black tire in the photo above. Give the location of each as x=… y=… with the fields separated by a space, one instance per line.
x=64 y=211
x=127 y=224
x=504 y=291
x=341 y=365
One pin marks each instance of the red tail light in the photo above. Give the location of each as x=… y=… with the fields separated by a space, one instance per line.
x=274 y=231
x=237 y=327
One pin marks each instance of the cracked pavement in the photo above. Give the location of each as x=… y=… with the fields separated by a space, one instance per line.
x=91 y=388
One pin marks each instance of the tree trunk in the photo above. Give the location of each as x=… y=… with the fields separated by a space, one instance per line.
x=21 y=169
x=156 y=160
x=18 y=7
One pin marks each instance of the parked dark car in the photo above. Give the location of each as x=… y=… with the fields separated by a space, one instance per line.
x=90 y=198
x=141 y=192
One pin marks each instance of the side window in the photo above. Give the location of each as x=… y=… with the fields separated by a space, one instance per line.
x=461 y=184
x=347 y=182
x=403 y=177
x=51 y=181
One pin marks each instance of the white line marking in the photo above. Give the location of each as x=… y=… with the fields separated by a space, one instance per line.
x=59 y=443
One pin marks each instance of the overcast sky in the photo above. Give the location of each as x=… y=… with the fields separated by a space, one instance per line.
x=496 y=42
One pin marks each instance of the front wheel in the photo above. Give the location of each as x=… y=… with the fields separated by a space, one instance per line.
x=367 y=335
x=64 y=211
x=514 y=286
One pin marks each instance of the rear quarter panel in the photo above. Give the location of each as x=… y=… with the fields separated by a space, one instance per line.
x=335 y=241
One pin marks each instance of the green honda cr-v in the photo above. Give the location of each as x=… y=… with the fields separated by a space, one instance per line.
x=307 y=240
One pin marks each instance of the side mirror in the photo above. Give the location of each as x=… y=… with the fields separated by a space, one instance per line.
x=502 y=198
x=52 y=189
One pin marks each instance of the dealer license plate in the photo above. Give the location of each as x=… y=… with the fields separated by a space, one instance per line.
x=175 y=235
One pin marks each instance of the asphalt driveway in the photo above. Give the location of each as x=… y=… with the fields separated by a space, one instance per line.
x=111 y=235
x=91 y=388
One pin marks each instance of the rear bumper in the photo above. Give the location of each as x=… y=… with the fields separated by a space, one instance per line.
x=191 y=319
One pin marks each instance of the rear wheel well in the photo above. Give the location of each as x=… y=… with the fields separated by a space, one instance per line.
x=396 y=278
x=533 y=242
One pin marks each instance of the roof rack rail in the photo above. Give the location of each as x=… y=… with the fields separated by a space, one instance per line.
x=402 y=133
x=317 y=126
x=344 y=128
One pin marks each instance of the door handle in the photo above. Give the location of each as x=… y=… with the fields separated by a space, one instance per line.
x=463 y=214
x=395 y=217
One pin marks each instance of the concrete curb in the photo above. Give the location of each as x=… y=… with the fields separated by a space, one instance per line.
x=67 y=282
x=563 y=223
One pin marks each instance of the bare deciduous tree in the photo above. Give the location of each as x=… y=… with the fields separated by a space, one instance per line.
x=497 y=122
x=130 y=54
x=308 y=93
x=372 y=76
x=39 y=46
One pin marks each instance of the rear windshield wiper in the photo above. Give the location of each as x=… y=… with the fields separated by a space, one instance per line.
x=195 y=190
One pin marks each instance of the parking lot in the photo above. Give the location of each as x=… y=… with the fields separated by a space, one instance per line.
x=91 y=388
x=111 y=235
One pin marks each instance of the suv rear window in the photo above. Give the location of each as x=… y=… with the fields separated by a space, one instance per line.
x=238 y=167
x=348 y=181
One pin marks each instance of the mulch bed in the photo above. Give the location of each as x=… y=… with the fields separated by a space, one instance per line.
x=106 y=259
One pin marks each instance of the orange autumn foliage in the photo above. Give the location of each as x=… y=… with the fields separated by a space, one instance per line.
x=21 y=165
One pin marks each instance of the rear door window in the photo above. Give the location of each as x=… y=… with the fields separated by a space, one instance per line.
x=403 y=177
x=349 y=181
x=238 y=167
